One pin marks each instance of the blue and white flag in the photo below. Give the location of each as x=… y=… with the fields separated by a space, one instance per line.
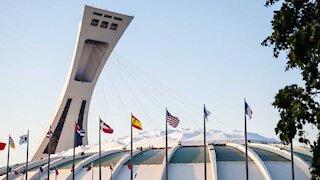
x=247 y=109
x=80 y=131
x=206 y=113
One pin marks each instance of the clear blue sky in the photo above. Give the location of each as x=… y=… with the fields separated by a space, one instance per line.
x=203 y=51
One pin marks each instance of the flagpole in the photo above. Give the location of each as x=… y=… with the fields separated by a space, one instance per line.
x=92 y=172
x=49 y=152
x=292 y=163
x=74 y=148
x=27 y=156
x=99 y=152
x=204 y=144
x=8 y=158
x=131 y=170
x=245 y=139
x=166 y=146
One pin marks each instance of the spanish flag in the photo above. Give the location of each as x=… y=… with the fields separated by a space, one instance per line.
x=136 y=123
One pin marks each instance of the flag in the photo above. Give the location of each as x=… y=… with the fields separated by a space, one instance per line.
x=247 y=109
x=15 y=172
x=24 y=170
x=56 y=171
x=206 y=113
x=49 y=133
x=111 y=166
x=41 y=169
x=129 y=166
x=81 y=132
x=172 y=120
x=11 y=142
x=10 y=169
x=2 y=146
x=136 y=123
x=104 y=127
x=23 y=139
x=90 y=167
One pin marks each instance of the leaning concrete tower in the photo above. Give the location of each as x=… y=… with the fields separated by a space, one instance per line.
x=98 y=34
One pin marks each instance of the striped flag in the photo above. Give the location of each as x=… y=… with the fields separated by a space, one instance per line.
x=80 y=131
x=136 y=123
x=49 y=133
x=105 y=127
x=172 y=120
x=11 y=142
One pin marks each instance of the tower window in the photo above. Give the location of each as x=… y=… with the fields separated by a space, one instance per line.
x=104 y=24
x=94 y=22
x=114 y=26
x=107 y=16
x=117 y=18
x=97 y=14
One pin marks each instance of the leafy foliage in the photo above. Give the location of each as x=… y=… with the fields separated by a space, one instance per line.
x=296 y=32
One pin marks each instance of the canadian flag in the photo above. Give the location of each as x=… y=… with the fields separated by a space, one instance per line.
x=105 y=128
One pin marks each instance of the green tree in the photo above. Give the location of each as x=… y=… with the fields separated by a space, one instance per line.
x=296 y=33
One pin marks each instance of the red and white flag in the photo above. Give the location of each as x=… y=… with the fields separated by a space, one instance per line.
x=172 y=120
x=49 y=133
x=105 y=127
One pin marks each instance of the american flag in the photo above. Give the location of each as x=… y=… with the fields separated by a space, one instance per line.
x=172 y=120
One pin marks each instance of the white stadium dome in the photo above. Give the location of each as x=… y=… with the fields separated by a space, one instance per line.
x=225 y=153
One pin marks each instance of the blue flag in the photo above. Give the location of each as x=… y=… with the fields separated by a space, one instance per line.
x=40 y=169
